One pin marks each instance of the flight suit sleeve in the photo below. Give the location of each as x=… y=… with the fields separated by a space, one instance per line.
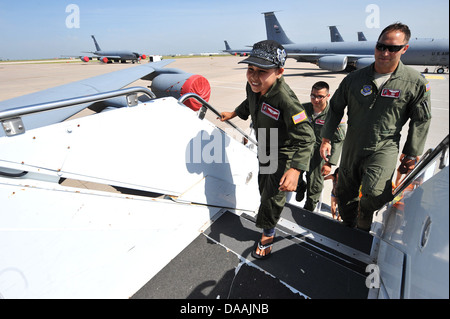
x=335 y=113
x=420 y=119
x=336 y=144
x=243 y=110
x=302 y=134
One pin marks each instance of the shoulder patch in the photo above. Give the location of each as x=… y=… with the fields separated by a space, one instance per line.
x=366 y=90
x=300 y=117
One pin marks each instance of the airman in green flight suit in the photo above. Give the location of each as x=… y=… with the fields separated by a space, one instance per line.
x=317 y=112
x=380 y=99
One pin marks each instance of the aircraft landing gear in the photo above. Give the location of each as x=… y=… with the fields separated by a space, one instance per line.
x=440 y=69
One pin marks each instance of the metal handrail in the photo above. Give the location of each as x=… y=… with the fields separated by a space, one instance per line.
x=209 y=106
x=428 y=157
x=35 y=108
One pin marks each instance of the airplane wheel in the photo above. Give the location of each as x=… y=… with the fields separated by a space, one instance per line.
x=440 y=70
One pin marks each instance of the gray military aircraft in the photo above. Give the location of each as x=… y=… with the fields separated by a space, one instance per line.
x=339 y=56
x=112 y=55
x=240 y=52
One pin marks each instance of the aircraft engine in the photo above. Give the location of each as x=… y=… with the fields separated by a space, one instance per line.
x=85 y=59
x=333 y=63
x=104 y=60
x=363 y=62
x=174 y=82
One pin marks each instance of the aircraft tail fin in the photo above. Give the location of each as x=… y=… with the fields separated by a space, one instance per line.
x=274 y=30
x=97 y=47
x=361 y=36
x=227 y=46
x=335 y=35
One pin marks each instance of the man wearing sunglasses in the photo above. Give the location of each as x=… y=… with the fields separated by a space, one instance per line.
x=380 y=99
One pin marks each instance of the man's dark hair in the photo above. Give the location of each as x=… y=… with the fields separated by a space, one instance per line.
x=321 y=85
x=397 y=26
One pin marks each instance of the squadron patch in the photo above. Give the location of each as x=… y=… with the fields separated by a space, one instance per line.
x=270 y=111
x=366 y=90
x=395 y=94
x=300 y=117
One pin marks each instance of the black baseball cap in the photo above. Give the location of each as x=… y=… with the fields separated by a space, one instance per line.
x=267 y=54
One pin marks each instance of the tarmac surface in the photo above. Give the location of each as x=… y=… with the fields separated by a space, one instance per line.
x=227 y=79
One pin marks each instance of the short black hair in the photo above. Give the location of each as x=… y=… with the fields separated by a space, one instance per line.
x=397 y=26
x=321 y=85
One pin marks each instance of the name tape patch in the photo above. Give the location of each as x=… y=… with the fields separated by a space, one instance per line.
x=395 y=94
x=270 y=111
x=320 y=122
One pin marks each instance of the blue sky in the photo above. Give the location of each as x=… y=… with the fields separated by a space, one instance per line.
x=38 y=29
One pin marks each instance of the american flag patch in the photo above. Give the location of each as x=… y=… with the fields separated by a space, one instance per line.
x=300 y=117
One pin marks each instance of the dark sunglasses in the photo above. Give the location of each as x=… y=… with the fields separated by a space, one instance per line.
x=390 y=48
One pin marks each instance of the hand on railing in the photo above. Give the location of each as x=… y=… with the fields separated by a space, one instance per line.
x=225 y=116
x=206 y=105
x=407 y=163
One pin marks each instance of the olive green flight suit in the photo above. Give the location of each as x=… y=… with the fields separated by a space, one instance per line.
x=278 y=109
x=370 y=150
x=314 y=178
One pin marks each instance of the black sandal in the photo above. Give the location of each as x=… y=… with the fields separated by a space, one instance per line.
x=261 y=248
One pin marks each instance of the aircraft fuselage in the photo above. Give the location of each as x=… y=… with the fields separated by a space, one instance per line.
x=420 y=52
x=124 y=55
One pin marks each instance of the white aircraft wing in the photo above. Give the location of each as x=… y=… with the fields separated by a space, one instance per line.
x=102 y=83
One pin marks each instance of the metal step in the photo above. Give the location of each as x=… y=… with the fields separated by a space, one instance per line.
x=213 y=266
x=327 y=230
